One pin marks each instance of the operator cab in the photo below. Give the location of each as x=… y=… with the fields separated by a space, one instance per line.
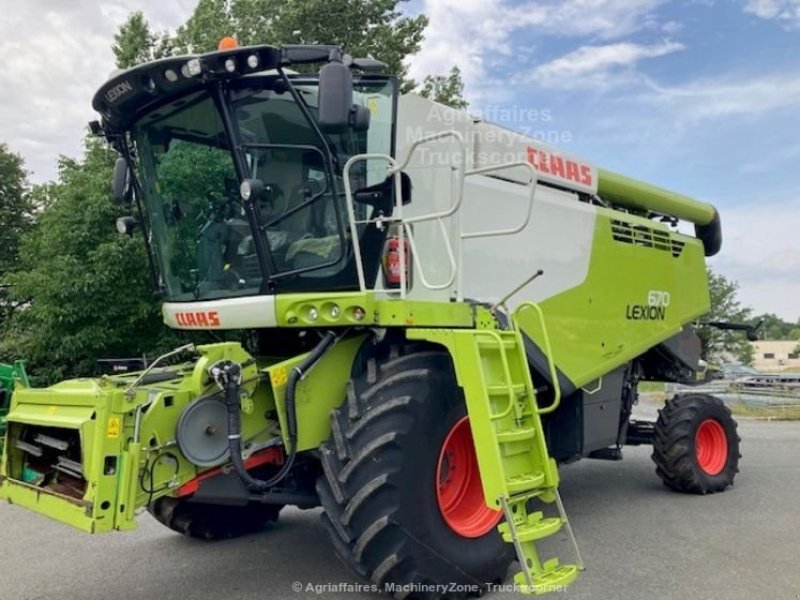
x=236 y=164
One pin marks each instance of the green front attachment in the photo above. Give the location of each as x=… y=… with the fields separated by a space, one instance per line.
x=91 y=452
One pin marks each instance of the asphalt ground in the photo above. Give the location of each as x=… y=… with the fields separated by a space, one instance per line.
x=638 y=539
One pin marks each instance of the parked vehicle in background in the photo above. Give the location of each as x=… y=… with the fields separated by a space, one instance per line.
x=738 y=370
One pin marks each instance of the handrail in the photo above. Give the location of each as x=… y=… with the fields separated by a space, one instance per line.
x=395 y=168
x=532 y=191
x=458 y=192
x=418 y=264
x=547 y=350
x=351 y=214
x=498 y=232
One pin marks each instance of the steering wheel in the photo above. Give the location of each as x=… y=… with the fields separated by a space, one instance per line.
x=274 y=203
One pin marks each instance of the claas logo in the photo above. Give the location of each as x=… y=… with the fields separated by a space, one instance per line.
x=198 y=319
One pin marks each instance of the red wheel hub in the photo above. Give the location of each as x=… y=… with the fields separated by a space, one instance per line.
x=711 y=447
x=458 y=485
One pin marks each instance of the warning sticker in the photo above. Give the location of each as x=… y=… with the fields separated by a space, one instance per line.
x=278 y=377
x=114 y=427
x=373 y=105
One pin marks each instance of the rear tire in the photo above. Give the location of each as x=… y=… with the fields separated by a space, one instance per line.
x=696 y=447
x=212 y=521
x=383 y=481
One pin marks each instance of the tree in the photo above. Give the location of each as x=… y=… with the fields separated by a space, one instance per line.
x=16 y=217
x=375 y=28
x=134 y=43
x=720 y=345
x=84 y=285
x=774 y=328
x=445 y=89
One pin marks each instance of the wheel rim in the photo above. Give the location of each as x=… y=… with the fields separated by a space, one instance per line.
x=458 y=485
x=711 y=447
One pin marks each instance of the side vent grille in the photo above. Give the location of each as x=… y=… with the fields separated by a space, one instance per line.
x=640 y=235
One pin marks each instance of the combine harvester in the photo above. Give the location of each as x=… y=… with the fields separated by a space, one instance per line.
x=438 y=313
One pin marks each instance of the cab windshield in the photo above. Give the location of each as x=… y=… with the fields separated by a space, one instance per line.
x=204 y=239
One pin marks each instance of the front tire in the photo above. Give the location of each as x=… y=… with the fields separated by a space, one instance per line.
x=696 y=446
x=392 y=483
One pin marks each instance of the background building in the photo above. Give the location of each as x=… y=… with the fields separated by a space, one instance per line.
x=776 y=355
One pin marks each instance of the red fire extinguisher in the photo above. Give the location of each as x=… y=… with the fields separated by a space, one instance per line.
x=392 y=261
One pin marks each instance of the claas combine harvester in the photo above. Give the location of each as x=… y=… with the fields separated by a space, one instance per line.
x=435 y=312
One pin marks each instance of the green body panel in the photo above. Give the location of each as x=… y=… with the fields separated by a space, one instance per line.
x=319 y=392
x=642 y=196
x=293 y=310
x=590 y=326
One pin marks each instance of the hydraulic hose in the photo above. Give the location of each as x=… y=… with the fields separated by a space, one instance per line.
x=228 y=376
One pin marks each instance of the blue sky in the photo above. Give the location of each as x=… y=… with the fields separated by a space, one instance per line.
x=700 y=96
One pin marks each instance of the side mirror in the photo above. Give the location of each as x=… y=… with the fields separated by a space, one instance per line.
x=126 y=225
x=335 y=96
x=121 y=183
x=360 y=118
x=381 y=196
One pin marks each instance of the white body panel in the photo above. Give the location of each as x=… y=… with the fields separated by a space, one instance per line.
x=558 y=238
x=231 y=313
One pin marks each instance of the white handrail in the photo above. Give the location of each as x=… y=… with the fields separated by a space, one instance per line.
x=459 y=168
x=532 y=183
x=395 y=168
x=351 y=214
x=421 y=271
x=531 y=192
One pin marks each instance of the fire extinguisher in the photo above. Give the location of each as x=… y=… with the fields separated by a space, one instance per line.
x=392 y=261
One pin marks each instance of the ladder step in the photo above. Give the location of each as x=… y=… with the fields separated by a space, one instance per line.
x=525 y=483
x=516 y=435
x=536 y=528
x=491 y=343
x=554 y=578
x=503 y=389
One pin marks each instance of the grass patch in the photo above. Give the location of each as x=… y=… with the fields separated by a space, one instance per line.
x=653 y=392
x=778 y=413
x=651 y=386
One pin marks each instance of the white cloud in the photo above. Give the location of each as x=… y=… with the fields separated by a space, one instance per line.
x=472 y=33
x=596 y=66
x=785 y=11
x=715 y=98
x=672 y=27
x=55 y=56
x=760 y=251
